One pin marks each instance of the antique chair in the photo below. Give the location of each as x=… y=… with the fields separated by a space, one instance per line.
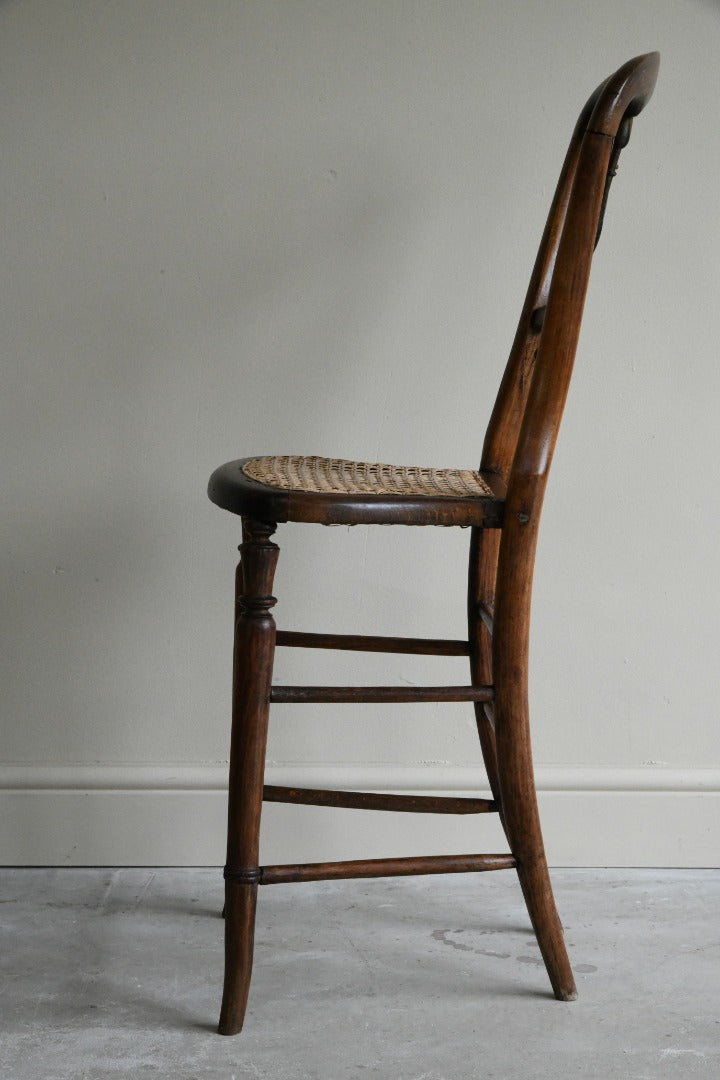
x=501 y=503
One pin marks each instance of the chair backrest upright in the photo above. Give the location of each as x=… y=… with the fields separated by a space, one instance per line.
x=523 y=427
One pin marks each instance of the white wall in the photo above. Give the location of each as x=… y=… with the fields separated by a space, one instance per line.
x=235 y=228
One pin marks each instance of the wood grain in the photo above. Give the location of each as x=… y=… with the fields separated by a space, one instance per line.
x=363 y=868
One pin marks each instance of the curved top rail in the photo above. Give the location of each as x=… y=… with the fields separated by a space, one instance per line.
x=626 y=93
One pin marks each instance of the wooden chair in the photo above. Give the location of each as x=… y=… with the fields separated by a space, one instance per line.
x=502 y=503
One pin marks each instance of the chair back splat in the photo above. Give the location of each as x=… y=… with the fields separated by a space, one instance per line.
x=501 y=502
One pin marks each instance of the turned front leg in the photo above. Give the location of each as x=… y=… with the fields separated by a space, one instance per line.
x=252 y=677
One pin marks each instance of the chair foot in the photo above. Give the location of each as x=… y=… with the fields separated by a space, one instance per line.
x=240 y=907
x=537 y=890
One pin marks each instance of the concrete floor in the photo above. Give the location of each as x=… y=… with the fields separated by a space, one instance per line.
x=117 y=973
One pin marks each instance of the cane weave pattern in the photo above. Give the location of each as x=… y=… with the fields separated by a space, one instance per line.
x=336 y=476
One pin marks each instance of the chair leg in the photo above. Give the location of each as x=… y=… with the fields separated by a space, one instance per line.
x=481 y=588
x=237 y=611
x=522 y=825
x=252 y=676
x=510 y=653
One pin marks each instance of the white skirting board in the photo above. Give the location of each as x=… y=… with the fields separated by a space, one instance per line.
x=147 y=815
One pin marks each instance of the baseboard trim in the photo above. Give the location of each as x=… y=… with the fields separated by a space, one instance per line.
x=175 y=815
x=213 y=777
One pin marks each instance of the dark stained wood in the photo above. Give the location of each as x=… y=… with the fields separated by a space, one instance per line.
x=362 y=868
x=626 y=93
x=252 y=675
x=516 y=458
x=370 y=800
x=378 y=694
x=367 y=643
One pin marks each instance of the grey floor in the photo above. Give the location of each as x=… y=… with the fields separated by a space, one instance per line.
x=109 y=974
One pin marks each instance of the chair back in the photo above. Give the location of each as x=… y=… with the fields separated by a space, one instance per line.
x=524 y=424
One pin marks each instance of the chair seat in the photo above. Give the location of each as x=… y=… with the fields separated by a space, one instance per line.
x=333 y=491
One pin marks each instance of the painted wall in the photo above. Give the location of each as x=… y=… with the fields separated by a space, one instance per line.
x=270 y=227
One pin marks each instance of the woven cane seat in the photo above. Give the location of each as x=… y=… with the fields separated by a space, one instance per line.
x=333 y=491
x=319 y=474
